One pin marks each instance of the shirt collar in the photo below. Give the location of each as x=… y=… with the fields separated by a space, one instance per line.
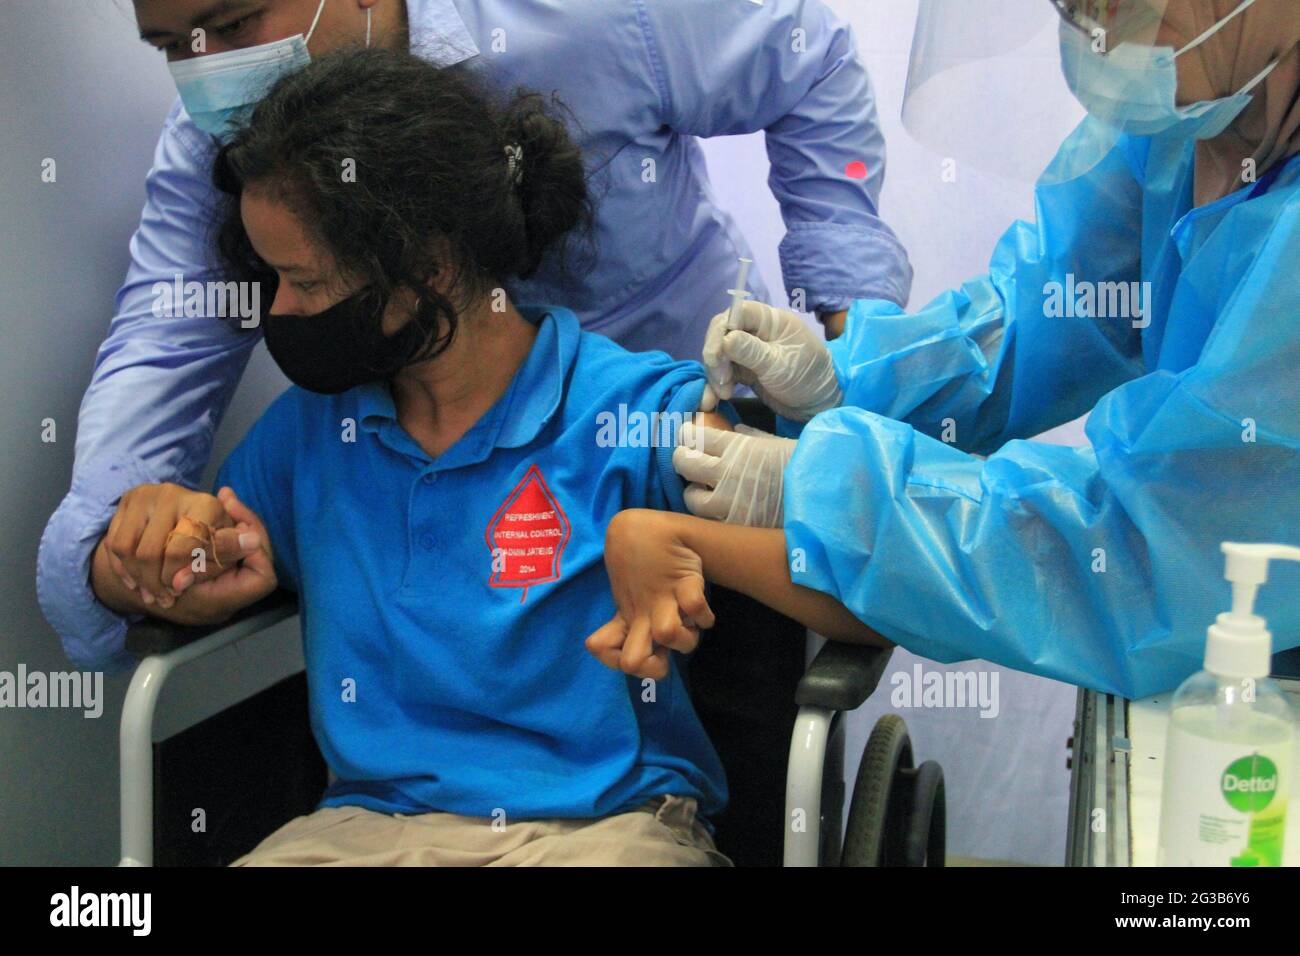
x=438 y=32
x=529 y=402
x=538 y=386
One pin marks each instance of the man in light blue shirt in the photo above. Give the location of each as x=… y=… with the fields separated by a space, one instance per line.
x=643 y=80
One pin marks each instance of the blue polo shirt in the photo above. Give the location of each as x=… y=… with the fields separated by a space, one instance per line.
x=445 y=601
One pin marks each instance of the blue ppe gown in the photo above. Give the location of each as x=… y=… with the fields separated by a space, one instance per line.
x=1178 y=327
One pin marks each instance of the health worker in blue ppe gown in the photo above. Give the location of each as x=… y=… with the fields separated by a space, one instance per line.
x=643 y=80
x=1158 y=290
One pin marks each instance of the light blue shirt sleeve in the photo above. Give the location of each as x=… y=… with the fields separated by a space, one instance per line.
x=989 y=362
x=790 y=68
x=160 y=386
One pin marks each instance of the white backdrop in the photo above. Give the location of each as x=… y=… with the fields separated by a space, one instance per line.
x=1006 y=776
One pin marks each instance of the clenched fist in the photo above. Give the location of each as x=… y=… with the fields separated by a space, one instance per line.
x=183 y=555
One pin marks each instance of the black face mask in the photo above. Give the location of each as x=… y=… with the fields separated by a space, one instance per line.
x=342 y=347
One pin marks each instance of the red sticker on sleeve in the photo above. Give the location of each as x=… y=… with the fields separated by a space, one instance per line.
x=527 y=535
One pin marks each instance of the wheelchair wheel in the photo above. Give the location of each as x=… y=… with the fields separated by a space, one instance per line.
x=897 y=816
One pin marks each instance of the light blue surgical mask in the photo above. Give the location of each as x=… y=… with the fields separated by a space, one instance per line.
x=221 y=89
x=1134 y=87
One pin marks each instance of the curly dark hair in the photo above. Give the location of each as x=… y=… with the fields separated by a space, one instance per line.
x=432 y=196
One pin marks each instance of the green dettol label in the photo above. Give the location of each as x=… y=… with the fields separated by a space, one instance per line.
x=1249 y=783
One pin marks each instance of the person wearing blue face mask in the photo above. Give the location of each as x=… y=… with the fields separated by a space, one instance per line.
x=1134 y=87
x=1158 y=290
x=643 y=80
x=1121 y=63
x=220 y=89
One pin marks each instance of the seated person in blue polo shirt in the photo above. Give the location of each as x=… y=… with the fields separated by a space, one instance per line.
x=437 y=487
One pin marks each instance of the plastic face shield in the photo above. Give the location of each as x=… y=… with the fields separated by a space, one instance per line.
x=986 y=87
x=1110 y=23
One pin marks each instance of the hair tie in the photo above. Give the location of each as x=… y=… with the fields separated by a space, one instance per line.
x=187 y=527
x=515 y=160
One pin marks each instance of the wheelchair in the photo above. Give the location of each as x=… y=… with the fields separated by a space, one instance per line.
x=776 y=721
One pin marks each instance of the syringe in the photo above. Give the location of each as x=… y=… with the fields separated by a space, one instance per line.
x=739 y=294
x=709 y=400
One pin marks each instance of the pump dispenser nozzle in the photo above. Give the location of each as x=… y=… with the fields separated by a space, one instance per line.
x=1239 y=644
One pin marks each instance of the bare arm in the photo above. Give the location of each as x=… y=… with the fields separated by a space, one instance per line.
x=751 y=561
x=714 y=420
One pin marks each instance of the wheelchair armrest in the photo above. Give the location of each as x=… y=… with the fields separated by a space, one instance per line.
x=156 y=636
x=164 y=647
x=842 y=676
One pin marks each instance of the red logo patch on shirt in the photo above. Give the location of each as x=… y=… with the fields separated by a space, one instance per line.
x=527 y=535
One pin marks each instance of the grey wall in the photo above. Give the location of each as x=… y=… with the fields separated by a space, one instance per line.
x=77 y=86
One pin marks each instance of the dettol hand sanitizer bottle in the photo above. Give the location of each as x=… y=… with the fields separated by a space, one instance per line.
x=1228 y=762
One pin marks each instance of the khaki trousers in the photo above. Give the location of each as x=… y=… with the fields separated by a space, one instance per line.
x=663 y=832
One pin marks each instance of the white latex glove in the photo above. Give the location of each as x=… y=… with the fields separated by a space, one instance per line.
x=776 y=355
x=735 y=477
